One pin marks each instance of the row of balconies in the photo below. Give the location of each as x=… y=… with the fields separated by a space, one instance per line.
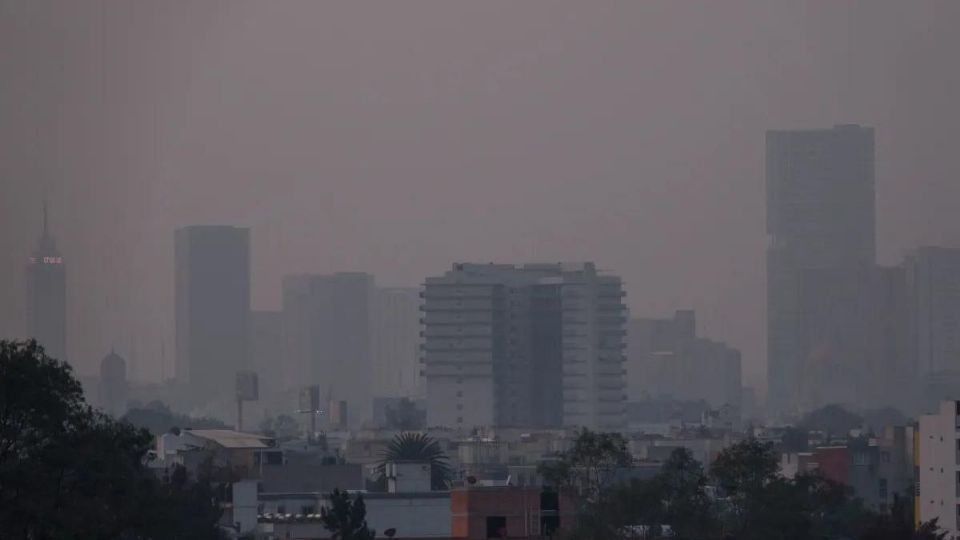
x=473 y=330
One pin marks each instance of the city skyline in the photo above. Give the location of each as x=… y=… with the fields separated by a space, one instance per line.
x=664 y=182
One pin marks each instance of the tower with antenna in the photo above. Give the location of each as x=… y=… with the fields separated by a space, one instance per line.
x=46 y=307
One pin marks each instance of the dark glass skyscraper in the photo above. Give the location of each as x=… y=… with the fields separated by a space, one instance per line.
x=47 y=295
x=822 y=249
x=212 y=308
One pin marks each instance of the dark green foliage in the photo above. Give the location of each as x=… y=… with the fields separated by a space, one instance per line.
x=760 y=504
x=683 y=501
x=346 y=518
x=589 y=466
x=418 y=447
x=877 y=419
x=752 y=502
x=832 y=419
x=898 y=525
x=157 y=418
x=68 y=471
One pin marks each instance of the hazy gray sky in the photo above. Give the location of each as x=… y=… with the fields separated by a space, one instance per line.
x=397 y=137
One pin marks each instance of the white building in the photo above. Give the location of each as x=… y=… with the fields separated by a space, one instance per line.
x=938 y=461
x=534 y=345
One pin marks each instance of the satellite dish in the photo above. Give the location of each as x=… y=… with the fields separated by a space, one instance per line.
x=389 y=533
x=471 y=480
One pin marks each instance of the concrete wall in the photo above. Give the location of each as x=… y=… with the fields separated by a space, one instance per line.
x=938 y=468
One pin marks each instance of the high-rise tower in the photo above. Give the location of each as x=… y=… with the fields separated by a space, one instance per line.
x=821 y=224
x=538 y=345
x=46 y=277
x=212 y=307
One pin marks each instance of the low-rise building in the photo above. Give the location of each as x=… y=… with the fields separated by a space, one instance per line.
x=938 y=465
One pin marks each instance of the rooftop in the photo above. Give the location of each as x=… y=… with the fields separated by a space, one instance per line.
x=229 y=438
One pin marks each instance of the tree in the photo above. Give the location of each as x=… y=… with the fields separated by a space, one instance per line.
x=284 y=427
x=832 y=419
x=759 y=504
x=744 y=471
x=417 y=447
x=898 y=525
x=683 y=499
x=346 y=518
x=590 y=465
x=68 y=471
x=157 y=418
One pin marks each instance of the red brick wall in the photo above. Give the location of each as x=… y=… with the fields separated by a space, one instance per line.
x=470 y=507
x=834 y=463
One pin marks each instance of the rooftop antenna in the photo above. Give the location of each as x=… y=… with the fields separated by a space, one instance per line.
x=133 y=358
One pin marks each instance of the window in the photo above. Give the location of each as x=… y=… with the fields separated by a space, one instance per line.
x=883 y=488
x=496 y=527
x=459 y=419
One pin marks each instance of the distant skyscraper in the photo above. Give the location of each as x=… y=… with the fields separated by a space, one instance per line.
x=113 y=384
x=821 y=223
x=46 y=278
x=212 y=307
x=666 y=359
x=933 y=285
x=535 y=345
x=396 y=344
x=327 y=337
x=265 y=349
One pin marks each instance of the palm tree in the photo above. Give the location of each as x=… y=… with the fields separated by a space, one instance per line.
x=417 y=447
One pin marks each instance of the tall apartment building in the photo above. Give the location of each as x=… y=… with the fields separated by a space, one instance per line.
x=667 y=360
x=933 y=277
x=396 y=342
x=212 y=278
x=532 y=345
x=46 y=279
x=938 y=465
x=327 y=337
x=933 y=284
x=821 y=224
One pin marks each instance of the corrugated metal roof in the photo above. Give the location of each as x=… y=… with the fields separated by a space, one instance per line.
x=228 y=438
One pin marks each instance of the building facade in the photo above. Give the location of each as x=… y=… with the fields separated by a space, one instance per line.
x=396 y=342
x=933 y=285
x=822 y=241
x=938 y=464
x=46 y=307
x=212 y=302
x=534 y=345
x=327 y=327
x=113 y=385
x=666 y=360
x=266 y=339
